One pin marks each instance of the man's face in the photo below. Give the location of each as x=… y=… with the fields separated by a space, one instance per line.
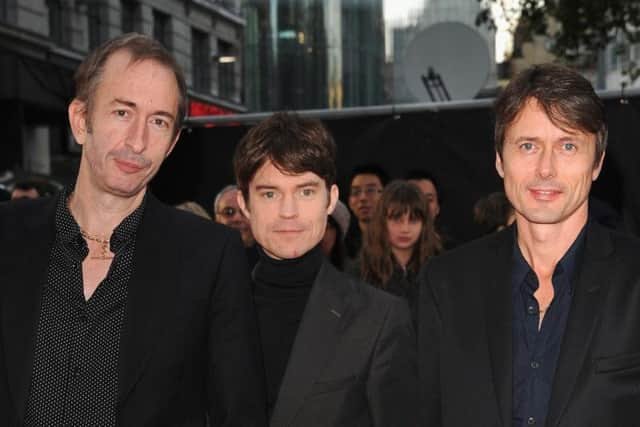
x=228 y=213
x=287 y=213
x=364 y=195
x=431 y=193
x=547 y=171
x=130 y=129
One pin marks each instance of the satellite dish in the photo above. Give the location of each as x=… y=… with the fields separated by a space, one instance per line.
x=447 y=60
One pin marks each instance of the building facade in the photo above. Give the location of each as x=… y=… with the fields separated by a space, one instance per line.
x=43 y=41
x=306 y=54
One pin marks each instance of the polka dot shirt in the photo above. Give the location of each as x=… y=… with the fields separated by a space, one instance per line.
x=74 y=378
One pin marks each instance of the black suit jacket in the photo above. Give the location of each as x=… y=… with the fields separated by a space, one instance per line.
x=188 y=346
x=353 y=362
x=465 y=341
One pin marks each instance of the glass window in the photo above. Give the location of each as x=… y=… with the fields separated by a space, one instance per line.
x=162 y=28
x=58 y=25
x=130 y=16
x=201 y=65
x=227 y=59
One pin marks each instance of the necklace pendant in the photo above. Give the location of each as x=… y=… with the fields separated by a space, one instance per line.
x=102 y=257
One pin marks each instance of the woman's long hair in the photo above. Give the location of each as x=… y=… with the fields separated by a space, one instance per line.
x=398 y=198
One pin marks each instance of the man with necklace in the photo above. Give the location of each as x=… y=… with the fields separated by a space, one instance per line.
x=125 y=311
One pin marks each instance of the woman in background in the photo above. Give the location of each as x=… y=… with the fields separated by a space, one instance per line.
x=400 y=239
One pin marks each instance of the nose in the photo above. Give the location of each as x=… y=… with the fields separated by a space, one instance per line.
x=546 y=164
x=288 y=206
x=138 y=135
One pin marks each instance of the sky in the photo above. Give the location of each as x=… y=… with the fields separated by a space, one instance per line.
x=395 y=10
x=398 y=11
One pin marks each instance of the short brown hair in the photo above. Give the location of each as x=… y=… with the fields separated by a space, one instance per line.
x=141 y=48
x=292 y=143
x=567 y=98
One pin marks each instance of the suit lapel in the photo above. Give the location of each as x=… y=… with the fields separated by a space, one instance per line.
x=315 y=342
x=499 y=321
x=152 y=287
x=595 y=270
x=21 y=304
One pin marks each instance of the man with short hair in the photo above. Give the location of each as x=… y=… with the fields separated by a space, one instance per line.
x=116 y=309
x=537 y=324
x=426 y=182
x=365 y=188
x=336 y=351
x=227 y=212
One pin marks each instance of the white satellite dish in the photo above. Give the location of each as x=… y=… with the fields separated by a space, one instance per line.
x=447 y=58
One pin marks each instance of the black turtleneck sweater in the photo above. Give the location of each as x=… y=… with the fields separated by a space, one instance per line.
x=281 y=292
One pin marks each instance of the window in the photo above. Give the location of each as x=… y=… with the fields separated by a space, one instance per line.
x=226 y=69
x=130 y=16
x=58 y=28
x=162 y=28
x=201 y=67
x=97 y=20
x=3 y=10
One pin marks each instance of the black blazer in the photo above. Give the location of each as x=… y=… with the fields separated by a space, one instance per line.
x=353 y=362
x=188 y=346
x=465 y=342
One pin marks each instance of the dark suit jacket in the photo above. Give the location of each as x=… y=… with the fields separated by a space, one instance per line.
x=353 y=362
x=465 y=341
x=188 y=345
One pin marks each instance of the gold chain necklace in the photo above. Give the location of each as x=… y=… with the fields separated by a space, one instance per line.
x=104 y=245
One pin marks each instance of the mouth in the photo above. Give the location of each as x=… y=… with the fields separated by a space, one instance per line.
x=128 y=167
x=364 y=210
x=545 y=194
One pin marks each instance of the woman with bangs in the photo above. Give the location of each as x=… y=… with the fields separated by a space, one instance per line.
x=400 y=238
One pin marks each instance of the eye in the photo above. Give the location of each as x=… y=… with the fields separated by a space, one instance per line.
x=568 y=146
x=159 y=122
x=269 y=194
x=308 y=192
x=526 y=146
x=121 y=113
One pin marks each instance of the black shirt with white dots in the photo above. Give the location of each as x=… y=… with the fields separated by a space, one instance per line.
x=74 y=378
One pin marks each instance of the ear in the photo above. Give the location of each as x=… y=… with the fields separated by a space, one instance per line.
x=334 y=193
x=598 y=168
x=78 y=120
x=499 y=167
x=242 y=204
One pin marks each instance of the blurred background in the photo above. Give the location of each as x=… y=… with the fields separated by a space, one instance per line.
x=407 y=84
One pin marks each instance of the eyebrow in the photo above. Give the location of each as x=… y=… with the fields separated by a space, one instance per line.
x=131 y=104
x=572 y=137
x=301 y=185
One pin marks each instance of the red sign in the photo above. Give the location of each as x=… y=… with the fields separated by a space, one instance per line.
x=198 y=108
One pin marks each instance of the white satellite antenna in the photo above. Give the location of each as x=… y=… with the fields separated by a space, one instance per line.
x=447 y=60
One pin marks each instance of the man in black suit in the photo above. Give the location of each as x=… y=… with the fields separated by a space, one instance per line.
x=537 y=324
x=114 y=308
x=336 y=352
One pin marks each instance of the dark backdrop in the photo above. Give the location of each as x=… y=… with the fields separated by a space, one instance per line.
x=455 y=145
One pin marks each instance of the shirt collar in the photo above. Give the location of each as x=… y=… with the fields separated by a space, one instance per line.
x=567 y=264
x=68 y=230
